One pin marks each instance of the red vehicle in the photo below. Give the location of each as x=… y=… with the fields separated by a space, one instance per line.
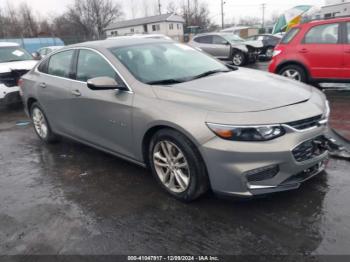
x=315 y=52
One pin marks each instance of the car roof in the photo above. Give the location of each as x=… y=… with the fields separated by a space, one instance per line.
x=122 y=42
x=8 y=44
x=328 y=21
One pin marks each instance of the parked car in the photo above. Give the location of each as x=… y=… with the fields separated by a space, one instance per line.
x=196 y=122
x=269 y=43
x=315 y=52
x=14 y=62
x=43 y=52
x=228 y=46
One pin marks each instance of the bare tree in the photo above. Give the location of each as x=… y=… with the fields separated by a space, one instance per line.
x=28 y=22
x=93 y=16
x=249 y=20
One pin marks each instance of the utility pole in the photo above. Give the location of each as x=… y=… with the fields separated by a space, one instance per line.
x=222 y=14
x=263 y=15
x=159 y=7
x=188 y=13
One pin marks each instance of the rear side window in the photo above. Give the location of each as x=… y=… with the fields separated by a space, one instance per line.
x=204 y=39
x=290 y=35
x=348 y=27
x=60 y=64
x=91 y=65
x=323 y=34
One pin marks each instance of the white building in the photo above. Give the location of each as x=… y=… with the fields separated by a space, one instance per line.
x=171 y=25
x=334 y=8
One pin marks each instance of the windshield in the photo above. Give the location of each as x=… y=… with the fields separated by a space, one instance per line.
x=166 y=62
x=13 y=53
x=232 y=38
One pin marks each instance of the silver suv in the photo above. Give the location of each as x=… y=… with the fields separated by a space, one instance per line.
x=195 y=122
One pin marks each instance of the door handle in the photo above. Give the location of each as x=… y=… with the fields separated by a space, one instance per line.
x=304 y=50
x=42 y=85
x=76 y=93
x=347 y=51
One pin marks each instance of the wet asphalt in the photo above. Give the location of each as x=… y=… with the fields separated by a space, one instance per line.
x=68 y=198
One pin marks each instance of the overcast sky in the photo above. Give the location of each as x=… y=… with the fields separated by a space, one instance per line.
x=233 y=8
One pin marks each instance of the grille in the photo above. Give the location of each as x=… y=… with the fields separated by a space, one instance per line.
x=11 y=79
x=305 y=123
x=310 y=149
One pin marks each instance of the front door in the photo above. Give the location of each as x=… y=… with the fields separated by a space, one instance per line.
x=102 y=117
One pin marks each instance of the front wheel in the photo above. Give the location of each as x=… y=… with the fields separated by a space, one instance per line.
x=177 y=166
x=294 y=72
x=238 y=58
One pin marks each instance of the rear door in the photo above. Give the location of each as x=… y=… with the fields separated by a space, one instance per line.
x=221 y=47
x=322 y=50
x=53 y=85
x=100 y=117
x=346 y=71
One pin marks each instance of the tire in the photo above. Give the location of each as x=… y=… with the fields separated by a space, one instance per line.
x=41 y=125
x=238 y=58
x=193 y=181
x=294 y=72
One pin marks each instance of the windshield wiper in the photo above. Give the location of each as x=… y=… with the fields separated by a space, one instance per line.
x=208 y=73
x=165 y=82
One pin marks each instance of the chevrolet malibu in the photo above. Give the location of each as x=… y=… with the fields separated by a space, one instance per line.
x=195 y=122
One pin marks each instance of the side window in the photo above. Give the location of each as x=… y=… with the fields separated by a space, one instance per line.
x=91 y=65
x=348 y=27
x=287 y=38
x=43 y=67
x=218 y=40
x=60 y=64
x=323 y=34
x=204 y=39
x=43 y=51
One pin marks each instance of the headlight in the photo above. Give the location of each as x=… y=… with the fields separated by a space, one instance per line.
x=247 y=133
x=276 y=53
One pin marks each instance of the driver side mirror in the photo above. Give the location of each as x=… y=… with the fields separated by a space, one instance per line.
x=104 y=83
x=36 y=56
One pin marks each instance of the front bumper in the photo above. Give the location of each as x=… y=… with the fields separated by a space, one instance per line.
x=231 y=163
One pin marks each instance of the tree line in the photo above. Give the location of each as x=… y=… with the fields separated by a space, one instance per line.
x=86 y=19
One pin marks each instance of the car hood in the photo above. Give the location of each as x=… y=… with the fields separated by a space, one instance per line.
x=244 y=90
x=253 y=43
x=18 y=65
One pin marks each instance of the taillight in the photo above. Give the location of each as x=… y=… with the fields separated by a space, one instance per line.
x=20 y=83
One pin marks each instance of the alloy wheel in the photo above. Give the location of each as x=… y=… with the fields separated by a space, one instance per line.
x=171 y=166
x=292 y=74
x=237 y=59
x=39 y=123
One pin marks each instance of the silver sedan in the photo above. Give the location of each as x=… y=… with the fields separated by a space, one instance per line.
x=195 y=122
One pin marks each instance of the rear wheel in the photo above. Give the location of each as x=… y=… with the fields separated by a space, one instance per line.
x=294 y=72
x=41 y=125
x=177 y=165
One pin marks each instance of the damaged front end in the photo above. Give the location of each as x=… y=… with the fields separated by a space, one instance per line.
x=9 y=90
